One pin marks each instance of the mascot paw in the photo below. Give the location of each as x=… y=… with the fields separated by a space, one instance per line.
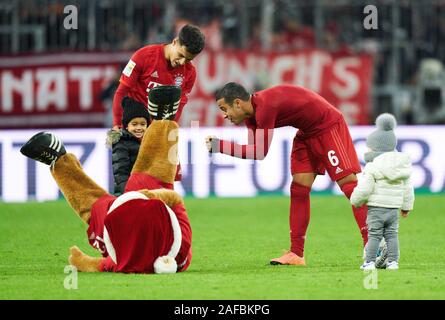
x=82 y=261
x=75 y=258
x=75 y=251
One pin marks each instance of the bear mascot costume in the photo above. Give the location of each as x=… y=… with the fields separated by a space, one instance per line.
x=146 y=229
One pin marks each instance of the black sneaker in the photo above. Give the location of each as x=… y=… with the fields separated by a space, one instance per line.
x=163 y=102
x=44 y=147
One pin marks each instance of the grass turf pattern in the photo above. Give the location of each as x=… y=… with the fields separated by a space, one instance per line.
x=233 y=241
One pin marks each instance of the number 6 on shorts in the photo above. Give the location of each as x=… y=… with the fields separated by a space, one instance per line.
x=333 y=158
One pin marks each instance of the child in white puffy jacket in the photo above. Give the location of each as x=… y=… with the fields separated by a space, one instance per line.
x=385 y=187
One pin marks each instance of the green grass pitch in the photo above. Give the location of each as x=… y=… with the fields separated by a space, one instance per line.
x=233 y=240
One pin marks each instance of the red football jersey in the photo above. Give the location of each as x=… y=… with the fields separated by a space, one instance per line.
x=280 y=106
x=130 y=242
x=147 y=69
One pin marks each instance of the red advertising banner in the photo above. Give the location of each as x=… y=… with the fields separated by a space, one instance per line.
x=66 y=90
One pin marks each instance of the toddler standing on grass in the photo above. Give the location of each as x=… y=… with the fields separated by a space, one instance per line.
x=385 y=187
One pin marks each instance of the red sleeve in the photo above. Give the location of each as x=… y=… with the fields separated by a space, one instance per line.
x=133 y=69
x=129 y=79
x=259 y=140
x=121 y=92
x=107 y=265
x=188 y=86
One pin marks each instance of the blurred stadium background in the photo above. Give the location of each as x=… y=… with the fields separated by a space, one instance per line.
x=58 y=78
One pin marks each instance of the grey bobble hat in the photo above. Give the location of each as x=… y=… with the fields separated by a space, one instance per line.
x=383 y=139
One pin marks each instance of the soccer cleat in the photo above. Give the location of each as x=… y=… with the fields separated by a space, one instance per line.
x=393 y=265
x=163 y=102
x=289 y=258
x=44 y=147
x=382 y=255
x=368 y=266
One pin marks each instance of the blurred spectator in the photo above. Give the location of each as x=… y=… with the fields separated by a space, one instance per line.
x=156 y=35
x=116 y=35
x=255 y=43
x=212 y=33
x=107 y=95
x=331 y=42
x=230 y=24
x=132 y=43
x=430 y=107
x=111 y=25
x=297 y=36
x=179 y=23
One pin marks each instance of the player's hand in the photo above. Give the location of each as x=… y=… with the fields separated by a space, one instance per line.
x=404 y=213
x=209 y=142
x=116 y=128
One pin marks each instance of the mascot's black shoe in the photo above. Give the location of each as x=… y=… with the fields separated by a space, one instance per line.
x=44 y=147
x=163 y=102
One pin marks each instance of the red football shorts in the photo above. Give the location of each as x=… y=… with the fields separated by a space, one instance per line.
x=136 y=182
x=331 y=150
x=95 y=230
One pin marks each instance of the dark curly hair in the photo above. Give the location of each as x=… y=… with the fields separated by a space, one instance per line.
x=192 y=38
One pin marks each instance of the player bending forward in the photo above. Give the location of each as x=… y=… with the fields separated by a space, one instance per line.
x=157 y=65
x=160 y=64
x=322 y=143
x=146 y=229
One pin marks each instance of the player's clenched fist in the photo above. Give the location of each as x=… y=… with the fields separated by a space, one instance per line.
x=212 y=143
